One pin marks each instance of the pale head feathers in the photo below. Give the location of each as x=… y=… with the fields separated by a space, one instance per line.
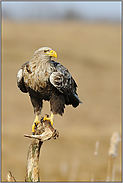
x=42 y=49
x=41 y=52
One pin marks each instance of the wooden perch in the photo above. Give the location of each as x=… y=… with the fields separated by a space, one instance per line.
x=10 y=178
x=44 y=131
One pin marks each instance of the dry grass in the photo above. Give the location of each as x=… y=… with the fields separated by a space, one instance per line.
x=92 y=53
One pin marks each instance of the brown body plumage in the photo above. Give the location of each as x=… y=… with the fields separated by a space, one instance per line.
x=45 y=79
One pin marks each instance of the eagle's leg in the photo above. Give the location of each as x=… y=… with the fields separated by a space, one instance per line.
x=35 y=123
x=51 y=118
x=37 y=104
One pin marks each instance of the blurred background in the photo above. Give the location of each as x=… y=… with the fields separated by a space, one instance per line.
x=87 y=39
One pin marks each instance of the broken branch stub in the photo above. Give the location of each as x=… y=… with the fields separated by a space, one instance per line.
x=9 y=177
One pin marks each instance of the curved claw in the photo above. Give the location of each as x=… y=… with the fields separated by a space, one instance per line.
x=49 y=119
x=35 y=123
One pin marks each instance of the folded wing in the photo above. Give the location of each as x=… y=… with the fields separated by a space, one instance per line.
x=63 y=81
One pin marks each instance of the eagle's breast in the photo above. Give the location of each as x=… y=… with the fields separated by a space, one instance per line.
x=36 y=76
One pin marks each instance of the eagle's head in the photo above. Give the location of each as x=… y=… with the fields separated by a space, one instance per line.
x=45 y=52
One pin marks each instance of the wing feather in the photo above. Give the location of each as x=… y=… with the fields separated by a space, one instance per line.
x=20 y=81
x=20 y=78
x=63 y=81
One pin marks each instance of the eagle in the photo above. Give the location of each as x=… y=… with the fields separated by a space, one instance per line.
x=45 y=79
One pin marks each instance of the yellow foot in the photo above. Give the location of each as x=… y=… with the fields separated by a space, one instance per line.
x=49 y=119
x=35 y=123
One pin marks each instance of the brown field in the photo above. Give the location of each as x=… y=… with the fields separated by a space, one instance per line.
x=92 y=53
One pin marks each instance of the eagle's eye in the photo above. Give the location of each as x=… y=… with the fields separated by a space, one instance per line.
x=45 y=51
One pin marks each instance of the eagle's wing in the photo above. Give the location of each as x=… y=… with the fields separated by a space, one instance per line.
x=63 y=81
x=20 y=79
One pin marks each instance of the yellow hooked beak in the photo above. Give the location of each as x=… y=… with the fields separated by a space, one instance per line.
x=51 y=53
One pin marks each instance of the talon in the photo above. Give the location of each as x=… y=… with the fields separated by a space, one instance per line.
x=41 y=120
x=51 y=122
x=33 y=129
x=35 y=123
x=49 y=119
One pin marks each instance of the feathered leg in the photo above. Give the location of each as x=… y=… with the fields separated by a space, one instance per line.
x=57 y=105
x=37 y=104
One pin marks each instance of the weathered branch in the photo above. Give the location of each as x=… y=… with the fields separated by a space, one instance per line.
x=9 y=177
x=43 y=132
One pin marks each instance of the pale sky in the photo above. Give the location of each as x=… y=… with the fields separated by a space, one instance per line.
x=107 y=10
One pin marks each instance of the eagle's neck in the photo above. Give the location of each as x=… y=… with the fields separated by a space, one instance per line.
x=44 y=64
x=40 y=63
x=42 y=69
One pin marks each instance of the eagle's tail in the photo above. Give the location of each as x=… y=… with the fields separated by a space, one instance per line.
x=77 y=98
x=73 y=99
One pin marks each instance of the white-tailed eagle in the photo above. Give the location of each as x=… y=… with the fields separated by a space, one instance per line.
x=44 y=79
